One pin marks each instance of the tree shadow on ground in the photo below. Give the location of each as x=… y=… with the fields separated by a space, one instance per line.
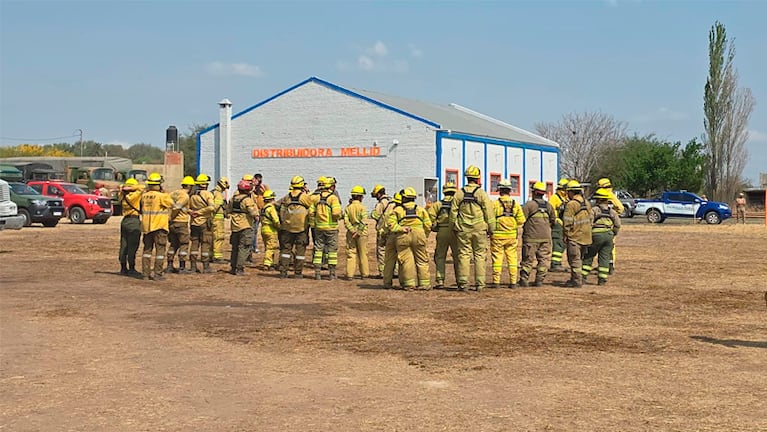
x=731 y=343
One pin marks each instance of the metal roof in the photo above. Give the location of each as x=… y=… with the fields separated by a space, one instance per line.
x=452 y=117
x=457 y=118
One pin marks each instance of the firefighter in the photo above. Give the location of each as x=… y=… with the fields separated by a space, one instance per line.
x=201 y=206
x=130 y=227
x=503 y=243
x=740 y=208
x=379 y=193
x=324 y=214
x=242 y=212
x=390 y=251
x=410 y=223
x=439 y=212
x=155 y=212
x=270 y=227
x=557 y=202
x=605 y=226
x=258 y=190
x=355 y=220
x=473 y=220
x=314 y=196
x=178 y=236
x=607 y=185
x=576 y=222
x=220 y=202
x=536 y=236
x=294 y=227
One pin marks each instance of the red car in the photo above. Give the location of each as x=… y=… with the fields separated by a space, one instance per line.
x=78 y=204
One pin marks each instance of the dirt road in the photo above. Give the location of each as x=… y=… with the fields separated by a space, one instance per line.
x=676 y=341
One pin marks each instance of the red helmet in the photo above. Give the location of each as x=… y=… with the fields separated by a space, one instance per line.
x=244 y=186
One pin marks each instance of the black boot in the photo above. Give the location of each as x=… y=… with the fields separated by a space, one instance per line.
x=124 y=269
x=523 y=275
x=332 y=271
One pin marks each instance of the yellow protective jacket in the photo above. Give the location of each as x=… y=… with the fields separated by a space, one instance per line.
x=131 y=202
x=439 y=212
x=378 y=213
x=294 y=211
x=180 y=211
x=242 y=211
x=557 y=201
x=508 y=217
x=219 y=202
x=617 y=204
x=155 y=211
x=605 y=219
x=325 y=211
x=472 y=210
x=577 y=220
x=270 y=220
x=355 y=218
x=202 y=203
x=409 y=215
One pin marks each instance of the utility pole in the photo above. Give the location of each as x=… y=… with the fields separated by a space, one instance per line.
x=81 y=141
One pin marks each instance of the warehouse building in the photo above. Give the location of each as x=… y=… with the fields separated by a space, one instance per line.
x=317 y=128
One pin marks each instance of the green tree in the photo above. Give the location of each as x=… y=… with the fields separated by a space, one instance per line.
x=143 y=153
x=187 y=143
x=727 y=110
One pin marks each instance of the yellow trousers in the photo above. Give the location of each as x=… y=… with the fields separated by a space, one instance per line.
x=271 y=247
x=218 y=238
x=500 y=248
x=413 y=259
x=472 y=245
x=357 y=253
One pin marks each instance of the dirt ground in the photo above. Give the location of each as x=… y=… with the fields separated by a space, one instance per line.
x=676 y=341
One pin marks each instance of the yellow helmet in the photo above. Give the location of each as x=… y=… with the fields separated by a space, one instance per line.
x=562 y=183
x=202 y=179
x=397 y=198
x=268 y=195
x=604 y=183
x=539 y=187
x=321 y=181
x=602 y=193
x=187 y=181
x=247 y=177
x=297 y=182
x=410 y=193
x=377 y=188
x=223 y=182
x=471 y=172
x=574 y=185
x=449 y=187
x=332 y=180
x=504 y=184
x=358 y=190
x=326 y=183
x=154 y=179
x=131 y=182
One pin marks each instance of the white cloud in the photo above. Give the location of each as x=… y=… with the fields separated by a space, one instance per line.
x=378 y=58
x=237 y=69
x=756 y=136
x=660 y=114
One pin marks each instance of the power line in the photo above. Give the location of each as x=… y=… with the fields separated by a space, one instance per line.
x=37 y=139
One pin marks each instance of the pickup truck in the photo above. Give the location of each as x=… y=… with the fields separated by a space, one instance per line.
x=36 y=208
x=682 y=204
x=79 y=205
x=9 y=219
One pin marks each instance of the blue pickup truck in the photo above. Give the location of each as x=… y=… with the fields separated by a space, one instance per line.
x=682 y=204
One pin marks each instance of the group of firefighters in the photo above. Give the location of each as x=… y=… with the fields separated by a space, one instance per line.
x=192 y=218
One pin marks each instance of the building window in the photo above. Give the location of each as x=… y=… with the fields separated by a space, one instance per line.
x=549 y=189
x=495 y=178
x=515 y=182
x=451 y=176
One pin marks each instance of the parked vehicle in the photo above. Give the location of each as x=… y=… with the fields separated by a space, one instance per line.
x=36 y=208
x=626 y=199
x=9 y=217
x=682 y=204
x=79 y=205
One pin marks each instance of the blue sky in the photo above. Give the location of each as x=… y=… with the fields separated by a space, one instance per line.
x=124 y=71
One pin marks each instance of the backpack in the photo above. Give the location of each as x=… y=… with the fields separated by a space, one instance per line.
x=294 y=211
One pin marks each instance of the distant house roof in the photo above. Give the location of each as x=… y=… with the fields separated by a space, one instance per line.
x=452 y=117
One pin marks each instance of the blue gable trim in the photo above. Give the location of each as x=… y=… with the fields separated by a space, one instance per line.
x=332 y=87
x=483 y=139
